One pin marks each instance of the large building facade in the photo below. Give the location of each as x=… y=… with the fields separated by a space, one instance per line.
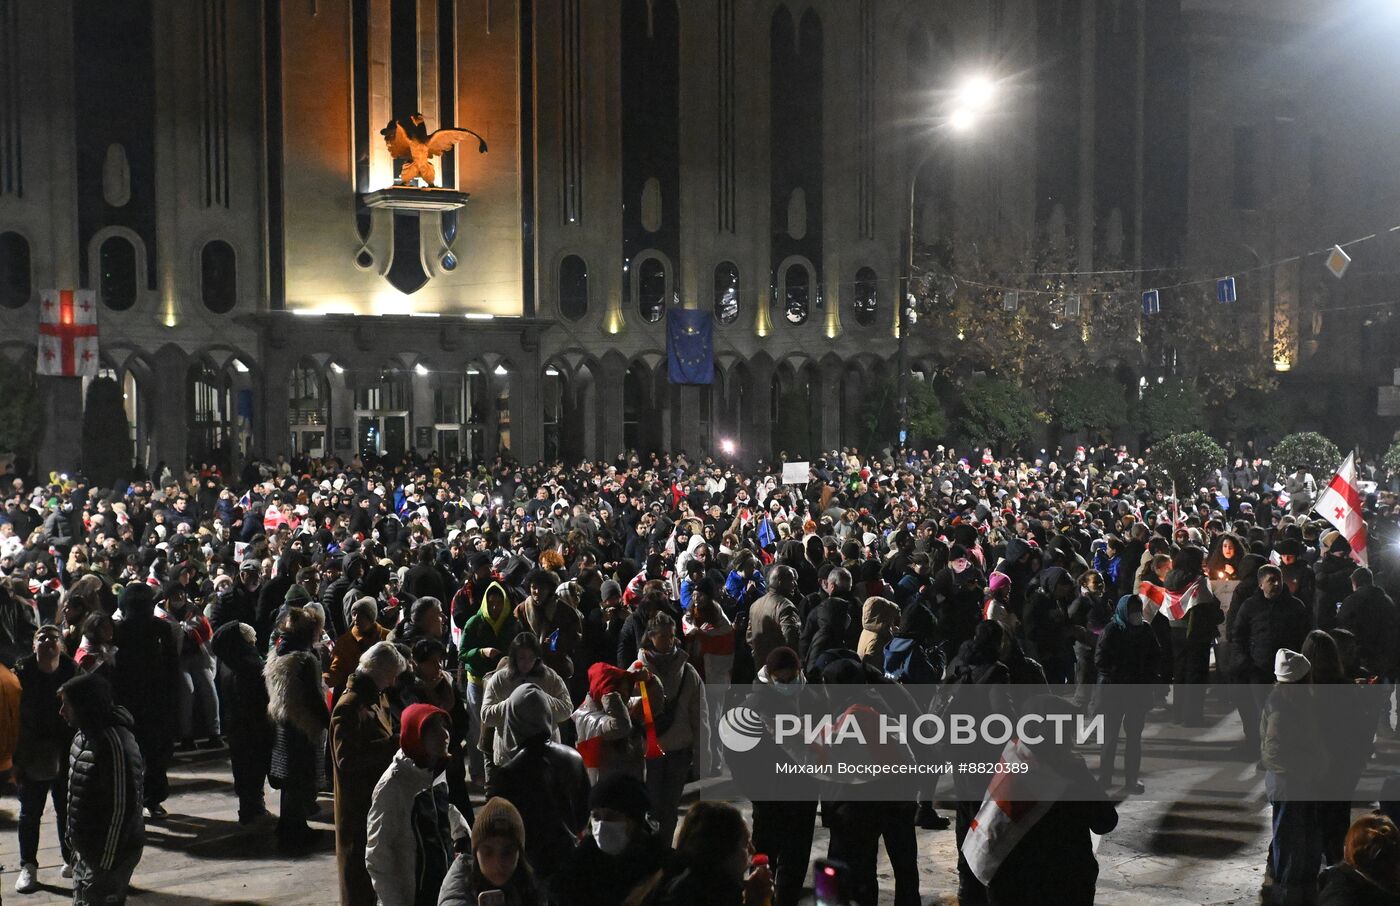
x=214 y=170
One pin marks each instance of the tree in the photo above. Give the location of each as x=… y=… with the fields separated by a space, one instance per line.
x=1253 y=414
x=107 y=452
x=996 y=413
x=21 y=413
x=1306 y=450
x=1187 y=459
x=1093 y=402
x=1170 y=407
x=1391 y=463
x=928 y=422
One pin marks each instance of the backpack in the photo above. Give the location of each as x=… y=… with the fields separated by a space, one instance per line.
x=907 y=662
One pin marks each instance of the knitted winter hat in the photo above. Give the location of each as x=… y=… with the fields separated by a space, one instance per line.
x=498 y=818
x=411 y=724
x=621 y=792
x=1290 y=666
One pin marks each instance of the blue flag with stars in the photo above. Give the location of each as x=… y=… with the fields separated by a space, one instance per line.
x=690 y=346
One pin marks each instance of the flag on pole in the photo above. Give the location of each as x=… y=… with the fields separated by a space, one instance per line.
x=1174 y=604
x=68 y=333
x=1340 y=505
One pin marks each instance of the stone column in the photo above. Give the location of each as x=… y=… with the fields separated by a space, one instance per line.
x=170 y=409
x=61 y=399
x=609 y=396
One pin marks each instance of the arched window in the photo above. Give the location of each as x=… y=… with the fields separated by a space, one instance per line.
x=15 y=281
x=573 y=287
x=865 y=297
x=117 y=267
x=797 y=293
x=218 y=277
x=726 y=292
x=651 y=289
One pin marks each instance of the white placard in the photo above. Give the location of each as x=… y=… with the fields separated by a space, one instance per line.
x=796 y=472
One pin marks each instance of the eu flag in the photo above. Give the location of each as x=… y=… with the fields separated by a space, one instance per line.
x=690 y=346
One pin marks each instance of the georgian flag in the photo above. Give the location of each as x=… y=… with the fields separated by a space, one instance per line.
x=1340 y=505
x=67 y=333
x=1174 y=604
x=1013 y=804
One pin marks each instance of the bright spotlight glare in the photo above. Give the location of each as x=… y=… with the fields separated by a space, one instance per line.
x=727 y=446
x=420 y=369
x=976 y=93
x=962 y=120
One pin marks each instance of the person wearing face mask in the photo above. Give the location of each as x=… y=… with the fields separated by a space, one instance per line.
x=497 y=861
x=409 y=846
x=1127 y=661
x=620 y=850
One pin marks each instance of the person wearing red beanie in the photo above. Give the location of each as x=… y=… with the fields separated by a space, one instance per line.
x=409 y=845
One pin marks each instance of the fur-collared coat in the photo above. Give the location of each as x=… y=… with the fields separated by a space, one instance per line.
x=296 y=702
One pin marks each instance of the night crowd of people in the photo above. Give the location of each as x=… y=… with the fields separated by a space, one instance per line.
x=505 y=676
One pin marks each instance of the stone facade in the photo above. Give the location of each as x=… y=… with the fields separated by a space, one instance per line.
x=642 y=153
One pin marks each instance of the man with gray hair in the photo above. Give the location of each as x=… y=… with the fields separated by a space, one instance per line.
x=834 y=622
x=363 y=744
x=773 y=620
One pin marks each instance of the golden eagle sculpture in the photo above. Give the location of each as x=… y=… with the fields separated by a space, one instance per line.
x=408 y=139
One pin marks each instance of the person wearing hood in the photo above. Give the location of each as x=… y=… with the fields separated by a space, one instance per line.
x=682 y=721
x=620 y=850
x=1295 y=760
x=485 y=637
x=1332 y=575
x=546 y=782
x=524 y=663
x=1018 y=565
x=1053 y=864
x=145 y=681
x=496 y=863
x=297 y=706
x=335 y=597
x=1127 y=663
x=41 y=751
x=243 y=697
x=1046 y=617
x=879 y=619
x=363 y=743
x=409 y=840
x=610 y=723
x=106 y=829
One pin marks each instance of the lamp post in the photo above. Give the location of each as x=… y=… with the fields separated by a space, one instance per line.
x=971 y=99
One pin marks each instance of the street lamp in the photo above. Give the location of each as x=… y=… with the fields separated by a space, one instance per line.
x=971 y=99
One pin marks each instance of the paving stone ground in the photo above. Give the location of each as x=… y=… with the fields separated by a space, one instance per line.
x=1163 y=853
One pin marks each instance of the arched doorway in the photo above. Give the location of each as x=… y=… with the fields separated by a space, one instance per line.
x=210 y=437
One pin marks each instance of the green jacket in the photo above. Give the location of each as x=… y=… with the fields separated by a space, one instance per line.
x=481 y=632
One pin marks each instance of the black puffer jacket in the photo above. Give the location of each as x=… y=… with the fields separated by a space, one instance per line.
x=1333 y=576
x=105 y=771
x=44 y=737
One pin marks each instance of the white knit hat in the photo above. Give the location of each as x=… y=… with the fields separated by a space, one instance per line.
x=1290 y=666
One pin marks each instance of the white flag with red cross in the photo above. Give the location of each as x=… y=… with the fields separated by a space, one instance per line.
x=1340 y=505
x=68 y=333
